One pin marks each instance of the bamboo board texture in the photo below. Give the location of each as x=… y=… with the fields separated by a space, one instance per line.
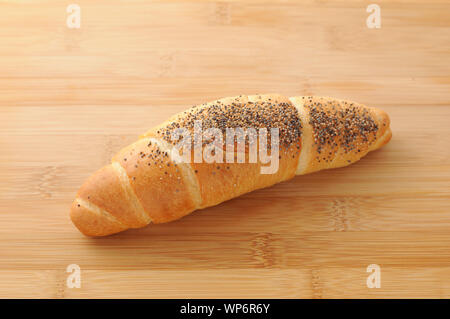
x=71 y=98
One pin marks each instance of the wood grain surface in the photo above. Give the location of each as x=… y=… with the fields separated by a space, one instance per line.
x=71 y=98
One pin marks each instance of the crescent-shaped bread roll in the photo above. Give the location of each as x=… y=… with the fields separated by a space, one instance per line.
x=144 y=183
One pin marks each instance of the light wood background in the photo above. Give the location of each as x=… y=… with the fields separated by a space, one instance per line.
x=70 y=98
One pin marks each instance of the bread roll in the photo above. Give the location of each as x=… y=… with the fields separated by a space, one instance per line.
x=145 y=183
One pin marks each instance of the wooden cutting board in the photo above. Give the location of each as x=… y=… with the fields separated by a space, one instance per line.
x=70 y=98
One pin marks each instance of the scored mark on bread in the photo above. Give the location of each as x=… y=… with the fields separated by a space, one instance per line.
x=133 y=199
x=186 y=170
x=305 y=150
x=97 y=210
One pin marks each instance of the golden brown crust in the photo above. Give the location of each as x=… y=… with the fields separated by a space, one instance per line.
x=222 y=181
x=153 y=175
x=105 y=190
x=92 y=222
x=144 y=184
